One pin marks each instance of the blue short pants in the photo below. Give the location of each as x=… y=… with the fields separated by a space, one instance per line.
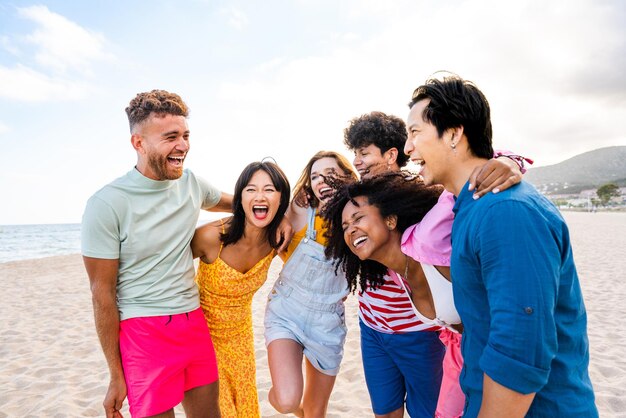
x=402 y=367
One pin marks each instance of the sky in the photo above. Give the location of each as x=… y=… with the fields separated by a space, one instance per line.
x=283 y=79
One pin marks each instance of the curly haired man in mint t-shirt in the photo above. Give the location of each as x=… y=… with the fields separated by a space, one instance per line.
x=135 y=244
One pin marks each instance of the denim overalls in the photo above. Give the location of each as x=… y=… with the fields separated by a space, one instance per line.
x=306 y=304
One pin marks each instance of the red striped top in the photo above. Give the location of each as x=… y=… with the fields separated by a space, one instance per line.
x=388 y=309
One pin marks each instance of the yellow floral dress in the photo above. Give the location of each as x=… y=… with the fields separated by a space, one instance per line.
x=226 y=299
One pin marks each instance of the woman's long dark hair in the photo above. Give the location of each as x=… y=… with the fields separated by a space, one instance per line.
x=236 y=227
x=394 y=193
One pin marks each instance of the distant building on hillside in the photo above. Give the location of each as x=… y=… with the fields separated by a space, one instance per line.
x=586 y=200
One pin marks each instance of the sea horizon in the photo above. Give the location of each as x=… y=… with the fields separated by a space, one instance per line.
x=40 y=240
x=33 y=241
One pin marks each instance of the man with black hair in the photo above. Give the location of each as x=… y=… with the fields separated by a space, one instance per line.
x=515 y=284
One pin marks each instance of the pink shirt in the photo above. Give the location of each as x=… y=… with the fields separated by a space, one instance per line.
x=389 y=309
x=429 y=241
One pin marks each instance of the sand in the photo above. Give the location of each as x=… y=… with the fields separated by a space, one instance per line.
x=51 y=364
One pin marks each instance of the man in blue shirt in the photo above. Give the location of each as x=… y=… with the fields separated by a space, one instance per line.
x=515 y=283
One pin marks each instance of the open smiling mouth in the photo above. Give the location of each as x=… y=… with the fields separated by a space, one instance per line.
x=420 y=165
x=325 y=192
x=359 y=241
x=177 y=160
x=260 y=211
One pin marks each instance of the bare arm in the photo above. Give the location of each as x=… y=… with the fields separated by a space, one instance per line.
x=296 y=215
x=496 y=175
x=285 y=232
x=103 y=280
x=294 y=220
x=224 y=205
x=500 y=401
x=206 y=240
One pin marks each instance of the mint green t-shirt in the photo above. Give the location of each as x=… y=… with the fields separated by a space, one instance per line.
x=148 y=225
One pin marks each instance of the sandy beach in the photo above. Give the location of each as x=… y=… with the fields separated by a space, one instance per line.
x=51 y=364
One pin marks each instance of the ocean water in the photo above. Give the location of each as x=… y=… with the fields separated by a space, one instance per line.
x=22 y=242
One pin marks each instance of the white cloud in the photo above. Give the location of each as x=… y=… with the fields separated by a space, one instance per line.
x=236 y=18
x=530 y=60
x=8 y=45
x=65 y=52
x=24 y=84
x=553 y=73
x=270 y=65
x=3 y=128
x=63 y=45
x=345 y=37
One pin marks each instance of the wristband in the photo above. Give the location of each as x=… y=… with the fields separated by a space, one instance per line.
x=518 y=159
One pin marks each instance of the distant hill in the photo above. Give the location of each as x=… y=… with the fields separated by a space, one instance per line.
x=584 y=171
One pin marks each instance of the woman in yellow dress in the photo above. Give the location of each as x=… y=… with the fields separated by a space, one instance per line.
x=235 y=255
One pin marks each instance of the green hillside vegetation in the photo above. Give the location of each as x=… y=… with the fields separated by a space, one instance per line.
x=584 y=171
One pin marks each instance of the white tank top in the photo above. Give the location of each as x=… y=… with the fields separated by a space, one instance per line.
x=441 y=291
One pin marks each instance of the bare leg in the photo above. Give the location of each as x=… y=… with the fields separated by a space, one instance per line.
x=317 y=392
x=202 y=402
x=285 y=361
x=398 y=413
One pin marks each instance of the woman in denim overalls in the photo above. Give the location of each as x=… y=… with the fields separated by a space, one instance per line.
x=305 y=312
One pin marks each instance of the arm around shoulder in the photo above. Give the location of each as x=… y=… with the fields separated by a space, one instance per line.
x=503 y=171
x=225 y=204
x=296 y=215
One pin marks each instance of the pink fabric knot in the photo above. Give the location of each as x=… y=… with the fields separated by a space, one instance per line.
x=429 y=240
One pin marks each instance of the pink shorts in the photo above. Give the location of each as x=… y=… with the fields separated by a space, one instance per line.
x=164 y=356
x=451 y=398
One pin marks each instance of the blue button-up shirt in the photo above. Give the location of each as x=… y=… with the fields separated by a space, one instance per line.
x=517 y=291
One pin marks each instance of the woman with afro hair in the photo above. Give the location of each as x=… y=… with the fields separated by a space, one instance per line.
x=386 y=224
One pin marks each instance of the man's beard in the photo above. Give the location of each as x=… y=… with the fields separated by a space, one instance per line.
x=159 y=166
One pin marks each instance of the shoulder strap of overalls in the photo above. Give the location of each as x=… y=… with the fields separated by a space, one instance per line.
x=311 y=233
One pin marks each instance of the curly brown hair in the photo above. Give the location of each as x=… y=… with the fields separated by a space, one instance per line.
x=395 y=193
x=160 y=102
x=380 y=129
